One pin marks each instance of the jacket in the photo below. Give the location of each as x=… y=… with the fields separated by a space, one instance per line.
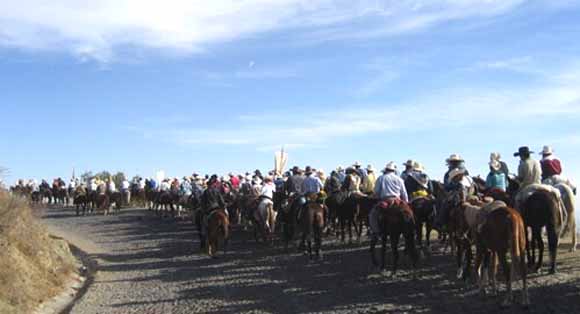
x=529 y=172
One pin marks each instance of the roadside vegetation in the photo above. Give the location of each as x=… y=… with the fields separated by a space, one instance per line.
x=33 y=266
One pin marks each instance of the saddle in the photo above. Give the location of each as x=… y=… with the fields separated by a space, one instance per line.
x=399 y=204
x=391 y=202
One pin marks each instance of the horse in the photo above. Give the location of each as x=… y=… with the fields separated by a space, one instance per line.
x=165 y=201
x=103 y=203
x=117 y=198
x=507 y=196
x=80 y=201
x=501 y=232
x=60 y=195
x=542 y=209
x=365 y=205
x=218 y=225
x=569 y=203
x=265 y=220
x=424 y=210
x=313 y=225
x=288 y=218
x=345 y=206
x=395 y=218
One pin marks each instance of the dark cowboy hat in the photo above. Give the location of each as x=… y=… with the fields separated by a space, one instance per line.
x=524 y=150
x=308 y=170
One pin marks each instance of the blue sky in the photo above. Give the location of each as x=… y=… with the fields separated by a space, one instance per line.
x=142 y=86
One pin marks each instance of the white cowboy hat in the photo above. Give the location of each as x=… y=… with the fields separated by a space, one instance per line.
x=409 y=163
x=391 y=166
x=495 y=165
x=494 y=156
x=356 y=164
x=417 y=166
x=547 y=150
x=454 y=157
x=339 y=168
x=370 y=168
x=455 y=172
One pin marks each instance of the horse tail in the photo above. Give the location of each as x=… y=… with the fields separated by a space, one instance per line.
x=224 y=228
x=568 y=205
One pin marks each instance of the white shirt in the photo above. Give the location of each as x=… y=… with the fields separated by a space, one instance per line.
x=164 y=186
x=125 y=185
x=112 y=187
x=268 y=190
x=141 y=184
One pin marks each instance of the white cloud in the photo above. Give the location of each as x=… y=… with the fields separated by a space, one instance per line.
x=97 y=29
x=438 y=110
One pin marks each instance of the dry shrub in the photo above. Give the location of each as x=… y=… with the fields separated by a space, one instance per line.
x=33 y=266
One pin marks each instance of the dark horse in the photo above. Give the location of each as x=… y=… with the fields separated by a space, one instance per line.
x=542 y=209
x=344 y=206
x=395 y=218
x=424 y=210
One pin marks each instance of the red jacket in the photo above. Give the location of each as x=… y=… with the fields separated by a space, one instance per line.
x=235 y=182
x=550 y=167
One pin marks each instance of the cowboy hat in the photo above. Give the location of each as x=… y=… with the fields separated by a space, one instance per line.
x=409 y=163
x=391 y=166
x=417 y=166
x=547 y=150
x=339 y=168
x=356 y=164
x=456 y=172
x=524 y=150
x=495 y=165
x=308 y=170
x=494 y=156
x=454 y=157
x=370 y=168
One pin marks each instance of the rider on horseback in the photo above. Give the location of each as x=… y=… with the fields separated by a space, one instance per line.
x=417 y=182
x=389 y=186
x=552 y=169
x=211 y=200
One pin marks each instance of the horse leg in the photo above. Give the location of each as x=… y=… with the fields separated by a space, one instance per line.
x=481 y=266
x=530 y=247
x=518 y=261
x=553 y=247
x=395 y=248
x=374 y=241
x=428 y=229
x=537 y=240
x=572 y=229
x=419 y=232
x=493 y=272
x=508 y=271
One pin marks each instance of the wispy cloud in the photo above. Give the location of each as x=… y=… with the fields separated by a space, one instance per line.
x=96 y=30
x=446 y=109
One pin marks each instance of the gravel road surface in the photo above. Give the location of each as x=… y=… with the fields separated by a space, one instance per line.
x=151 y=265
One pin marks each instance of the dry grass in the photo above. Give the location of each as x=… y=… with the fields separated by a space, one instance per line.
x=33 y=266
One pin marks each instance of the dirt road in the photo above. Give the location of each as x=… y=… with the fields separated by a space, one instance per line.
x=149 y=265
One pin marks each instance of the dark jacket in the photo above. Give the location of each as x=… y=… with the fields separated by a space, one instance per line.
x=212 y=199
x=294 y=184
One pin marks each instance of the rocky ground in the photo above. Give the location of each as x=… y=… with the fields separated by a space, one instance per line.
x=151 y=265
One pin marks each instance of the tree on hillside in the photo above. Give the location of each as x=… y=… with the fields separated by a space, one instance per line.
x=118 y=178
x=86 y=176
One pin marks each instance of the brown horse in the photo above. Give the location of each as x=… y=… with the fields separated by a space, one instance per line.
x=395 y=218
x=313 y=224
x=502 y=232
x=103 y=203
x=218 y=230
